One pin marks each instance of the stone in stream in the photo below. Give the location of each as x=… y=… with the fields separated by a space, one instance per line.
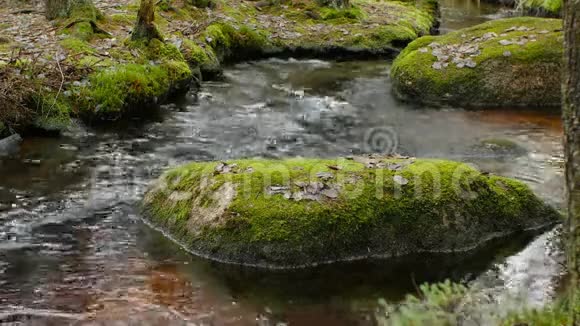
x=522 y=70
x=10 y=145
x=281 y=214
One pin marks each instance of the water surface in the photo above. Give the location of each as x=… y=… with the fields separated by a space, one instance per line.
x=73 y=246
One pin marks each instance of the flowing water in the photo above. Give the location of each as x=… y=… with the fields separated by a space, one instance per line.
x=73 y=247
x=456 y=14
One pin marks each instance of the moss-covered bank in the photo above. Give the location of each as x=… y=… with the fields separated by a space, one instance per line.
x=502 y=63
x=301 y=212
x=107 y=76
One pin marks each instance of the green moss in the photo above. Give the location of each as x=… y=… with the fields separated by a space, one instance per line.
x=177 y=71
x=554 y=315
x=194 y=53
x=444 y=206
x=353 y=13
x=116 y=90
x=202 y=57
x=164 y=51
x=80 y=20
x=239 y=41
x=450 y=303
x=523 y=78
x=52 y=112
x=77 y=46
x=93 y=62
x=123 y=19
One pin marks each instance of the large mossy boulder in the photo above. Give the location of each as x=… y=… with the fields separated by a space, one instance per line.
x=302 y=212
x=502 y=63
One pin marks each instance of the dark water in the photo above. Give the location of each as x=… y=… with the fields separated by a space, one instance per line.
x=73 y=248
x=72 y=245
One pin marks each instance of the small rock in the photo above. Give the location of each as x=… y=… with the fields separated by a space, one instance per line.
x=423 y=50
x=298 y=196
x=511 y=29
x=314 y=188
x=298 y=94
x=10 y=145
x=489 y=35
x=400 y=180
x=394 y=166
x=224 y=167
x=505 y=42
x=330 y=193
x=437 y=65
x=272 y=190
x=522 y=41
x=325 y=176
x=507 y=54
x=543 y=32
x=470 y=63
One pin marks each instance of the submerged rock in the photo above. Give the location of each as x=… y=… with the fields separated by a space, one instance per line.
x=502 y=63
x=282 y=214
x=498 y=147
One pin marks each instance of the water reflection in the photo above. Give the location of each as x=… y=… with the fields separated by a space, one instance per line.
x=457 y=14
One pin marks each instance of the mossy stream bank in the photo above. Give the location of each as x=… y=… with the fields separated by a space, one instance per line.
x=504 y=63
x=105 y=76
x=305 y=212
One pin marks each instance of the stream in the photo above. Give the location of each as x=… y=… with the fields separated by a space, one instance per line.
x=73 y=247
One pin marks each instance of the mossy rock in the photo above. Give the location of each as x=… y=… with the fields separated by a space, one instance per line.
x=506 y=63
x=121 y=89
x=303 y=212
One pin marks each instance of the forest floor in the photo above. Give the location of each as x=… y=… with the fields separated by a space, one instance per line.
x=25 y=32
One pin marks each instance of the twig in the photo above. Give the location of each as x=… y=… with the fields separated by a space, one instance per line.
x=61 y=83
